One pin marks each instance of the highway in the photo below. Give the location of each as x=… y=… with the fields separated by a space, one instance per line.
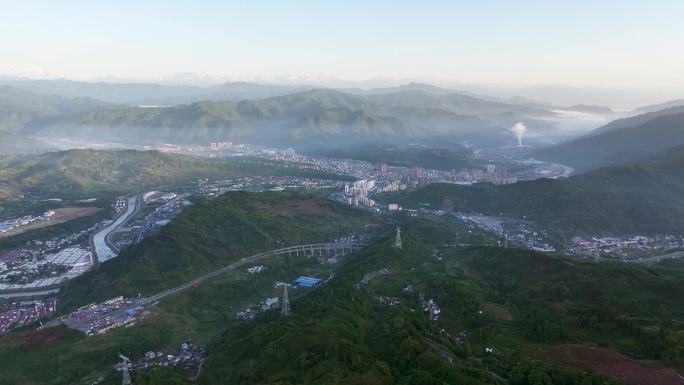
x=21 y=294
x=286 y=250
x=658 y=258
x=647 y=261
x=312 y=249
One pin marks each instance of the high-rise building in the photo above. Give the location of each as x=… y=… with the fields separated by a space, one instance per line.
x=220 y=145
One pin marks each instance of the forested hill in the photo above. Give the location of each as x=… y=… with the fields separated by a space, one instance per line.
x=507 y=316
x=524 y=306
x=87 y=171
x=639 y=197
x=621 y=141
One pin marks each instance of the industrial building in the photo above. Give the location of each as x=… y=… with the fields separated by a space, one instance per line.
x=306 y=282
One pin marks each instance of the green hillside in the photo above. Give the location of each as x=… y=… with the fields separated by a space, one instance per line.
x=203 y=237
x=212 y=234
x=640 y=197
x=342 y=333
x=621 y=141
x=524 y=305
x=86 y=171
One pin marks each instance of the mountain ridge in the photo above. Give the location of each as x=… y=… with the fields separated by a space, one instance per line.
x=643 y=196
x=620 y=141
x=302 y=118
x=19 y=107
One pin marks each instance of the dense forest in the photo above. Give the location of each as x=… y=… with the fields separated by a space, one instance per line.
x=517 y=302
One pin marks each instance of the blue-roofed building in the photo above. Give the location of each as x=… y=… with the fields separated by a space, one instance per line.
x=306 y=282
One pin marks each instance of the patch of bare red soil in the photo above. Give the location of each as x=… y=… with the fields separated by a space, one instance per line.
x=613 y=364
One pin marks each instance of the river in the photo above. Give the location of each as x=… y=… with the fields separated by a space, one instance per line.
x=102 y=250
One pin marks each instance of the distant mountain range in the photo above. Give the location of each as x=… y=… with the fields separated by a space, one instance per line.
x=171 y=95
x=591 y=109
x=645 y=196
x=305 y=119
x=661 y=106
x=621 y=140
x=413 y=86
x=637 y=120
x=297 y=116
x=14 y=144
x=153 y=94
x=18 y=107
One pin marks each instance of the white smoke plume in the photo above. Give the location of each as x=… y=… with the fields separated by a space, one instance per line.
x=519 y=130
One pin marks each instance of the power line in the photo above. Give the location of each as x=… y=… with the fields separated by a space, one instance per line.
x=397 y=239
x=125 y=362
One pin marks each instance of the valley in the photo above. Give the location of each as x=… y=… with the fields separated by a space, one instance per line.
x=341 y=194
x=167 y=275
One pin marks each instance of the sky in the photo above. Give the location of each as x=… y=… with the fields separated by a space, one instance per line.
x=600 y=43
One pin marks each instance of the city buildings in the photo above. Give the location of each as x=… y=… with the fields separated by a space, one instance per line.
x=220 y=145
x=628 y=247
x=21 y=313
x=44 y=270
x=103 y=317
x=188 y=360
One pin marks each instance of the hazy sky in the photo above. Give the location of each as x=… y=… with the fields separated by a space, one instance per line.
x=604 y=43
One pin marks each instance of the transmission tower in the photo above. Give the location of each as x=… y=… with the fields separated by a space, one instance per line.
x=397 y=239
x=285 y=307
x=125 y=362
